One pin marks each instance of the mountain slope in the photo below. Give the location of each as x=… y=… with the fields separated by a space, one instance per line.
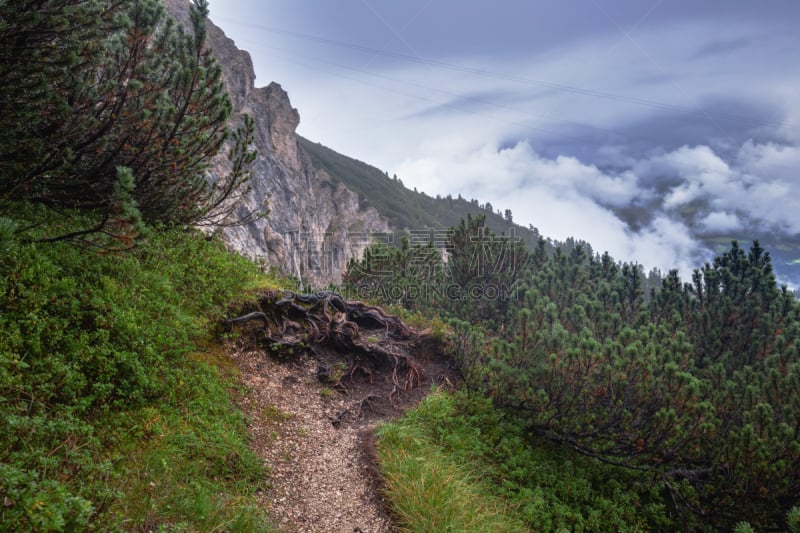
x=324 y=206
x=310 y=216
x=405 y=210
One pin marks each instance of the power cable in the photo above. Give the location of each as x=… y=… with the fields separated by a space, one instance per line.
x=508 y=77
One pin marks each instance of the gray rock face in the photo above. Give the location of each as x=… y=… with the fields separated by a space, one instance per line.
x=315 y=225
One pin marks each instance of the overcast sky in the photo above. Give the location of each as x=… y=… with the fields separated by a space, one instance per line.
x=613 y=121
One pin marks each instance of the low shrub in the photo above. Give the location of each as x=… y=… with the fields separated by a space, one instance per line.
x=104 y=388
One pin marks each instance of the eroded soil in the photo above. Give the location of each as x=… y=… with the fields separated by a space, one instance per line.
x=313 y=424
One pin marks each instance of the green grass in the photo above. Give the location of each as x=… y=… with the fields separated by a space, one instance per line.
x=118 y=405
x=185 y=465
x=430 y=490
x=454 y=463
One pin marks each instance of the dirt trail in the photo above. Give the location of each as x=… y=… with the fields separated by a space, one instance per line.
x=321 y=474
x=317 y=438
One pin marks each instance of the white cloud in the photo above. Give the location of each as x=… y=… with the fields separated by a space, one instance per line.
x=467 y=167
x=771 y=160
x=698 y=172
x=562 y=197
x=565 y=197
x=495 y=170
x=760 y=182
x=698 y=163
x=667 y=244
x=720 y=223
x=587 y=180
x=683 y=194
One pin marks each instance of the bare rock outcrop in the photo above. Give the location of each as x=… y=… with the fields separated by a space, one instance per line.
x=315 y=224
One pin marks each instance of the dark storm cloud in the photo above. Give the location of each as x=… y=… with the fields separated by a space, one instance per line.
x=725 y=123
x=716 y=48
x=660 y=78
x=471 y=103
x=465 y=27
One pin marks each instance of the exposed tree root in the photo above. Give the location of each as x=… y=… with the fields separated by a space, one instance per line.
x=357 y=411
x=367 y=340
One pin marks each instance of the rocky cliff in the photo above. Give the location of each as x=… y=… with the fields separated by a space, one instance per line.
x=315 y=224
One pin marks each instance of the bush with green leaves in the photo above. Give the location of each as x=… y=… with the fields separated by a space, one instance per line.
x=698 y=389
x=404 y=275
x=456 y=463
x=110 y=109
x=101 y=381
x=695 y=385
x=472 y=275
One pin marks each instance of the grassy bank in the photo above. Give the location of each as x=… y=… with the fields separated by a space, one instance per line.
x=454 y=463
x=117 y=405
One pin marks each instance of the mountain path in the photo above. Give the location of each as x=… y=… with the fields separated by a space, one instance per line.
x=319 y=442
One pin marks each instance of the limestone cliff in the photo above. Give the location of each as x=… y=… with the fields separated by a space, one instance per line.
x=315 y=224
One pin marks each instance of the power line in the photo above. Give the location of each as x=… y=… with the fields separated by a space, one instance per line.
x=508 y=77
x=303 y=61
x=455 y=105
x=441 y=104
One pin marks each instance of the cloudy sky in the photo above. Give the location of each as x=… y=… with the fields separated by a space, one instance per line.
x=621 y=122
